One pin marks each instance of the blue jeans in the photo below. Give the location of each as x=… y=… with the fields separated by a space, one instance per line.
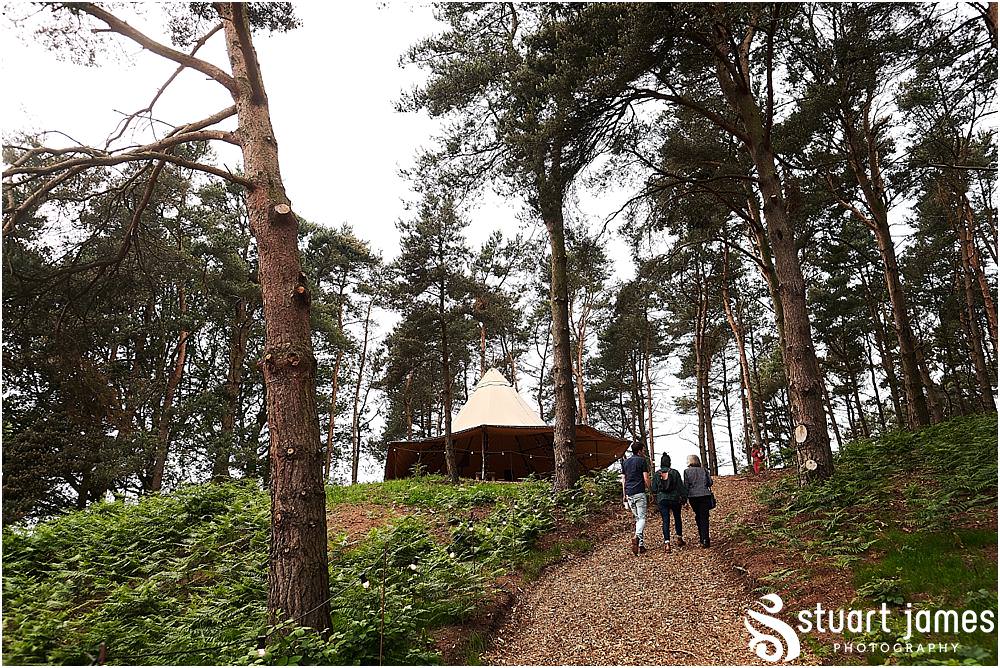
x=637 y=504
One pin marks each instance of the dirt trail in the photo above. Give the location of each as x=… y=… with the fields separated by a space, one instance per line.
x=610 y=607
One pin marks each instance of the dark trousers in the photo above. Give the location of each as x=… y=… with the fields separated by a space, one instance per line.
x=699 y=504
x=668 y=508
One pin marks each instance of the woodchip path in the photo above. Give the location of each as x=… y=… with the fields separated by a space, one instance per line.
x=610 y=607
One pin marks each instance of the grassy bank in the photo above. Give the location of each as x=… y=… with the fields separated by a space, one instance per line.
x=182 y=578
x=910 y=519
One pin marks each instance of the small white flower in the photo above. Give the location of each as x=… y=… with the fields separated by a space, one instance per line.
x=413 y=567
x=366 y=584
x=451 y=554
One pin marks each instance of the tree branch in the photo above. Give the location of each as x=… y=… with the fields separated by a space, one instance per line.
x=681 y=101
x=101 y=158
x=249 y=55
x=149 y=107
x=115 y=24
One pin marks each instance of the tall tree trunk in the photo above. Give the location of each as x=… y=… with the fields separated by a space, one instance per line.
x=231 y=390
x=729 y=414
x=974 y=264
x=866 y=166
x=971 y=323
x=852 y=374
x=833 y=417
x=851 y=421
x=699 y=364
x=706 y=395
x=298 y=578
x=513 y=369
x=331 y=428
x=482 y=349
x=581 y=342
x=638 y=412
x=933 y=403
x=747 y=439
x=764 y=432
x=878 y=399
x=451 y=462
x=167 y=412
x=647 y=362
x=355 y=415
x=540 y=381
x=885 y=355
x=813 y=454
x=736 y=326
x=919 y=414
x=408 y=405
x=564 y=431
x=758 y=234
x=334 y=386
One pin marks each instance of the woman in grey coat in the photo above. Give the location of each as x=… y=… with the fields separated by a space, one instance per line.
x=699 y=486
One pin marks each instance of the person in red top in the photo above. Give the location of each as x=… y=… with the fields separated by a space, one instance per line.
x=635 y=482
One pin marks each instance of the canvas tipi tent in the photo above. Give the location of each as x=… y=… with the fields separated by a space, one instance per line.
x=498 y=436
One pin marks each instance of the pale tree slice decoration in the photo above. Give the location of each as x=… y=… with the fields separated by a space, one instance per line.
x=801 y=432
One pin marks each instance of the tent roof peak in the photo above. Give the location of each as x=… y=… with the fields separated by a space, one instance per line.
x=494 y=401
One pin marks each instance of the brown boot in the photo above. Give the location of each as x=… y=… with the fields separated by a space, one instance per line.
x=666 y=546
x=680 y=542
x=635 y=545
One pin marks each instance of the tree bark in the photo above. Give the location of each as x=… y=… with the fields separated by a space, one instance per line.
x=298 y=578
x=564 y=430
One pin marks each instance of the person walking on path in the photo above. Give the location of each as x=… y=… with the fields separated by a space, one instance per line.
x=699 y=488
x=635 y=482
x=671 y=495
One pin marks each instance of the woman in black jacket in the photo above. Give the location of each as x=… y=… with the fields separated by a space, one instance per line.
x=670 y=498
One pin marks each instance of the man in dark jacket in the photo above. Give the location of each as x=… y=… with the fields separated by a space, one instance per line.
x=635 y=482
x=671 y=495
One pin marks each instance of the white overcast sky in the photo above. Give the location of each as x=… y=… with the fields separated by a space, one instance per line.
x=331 y=84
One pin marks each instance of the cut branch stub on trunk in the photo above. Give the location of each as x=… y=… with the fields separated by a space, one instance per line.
x=281 y=214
